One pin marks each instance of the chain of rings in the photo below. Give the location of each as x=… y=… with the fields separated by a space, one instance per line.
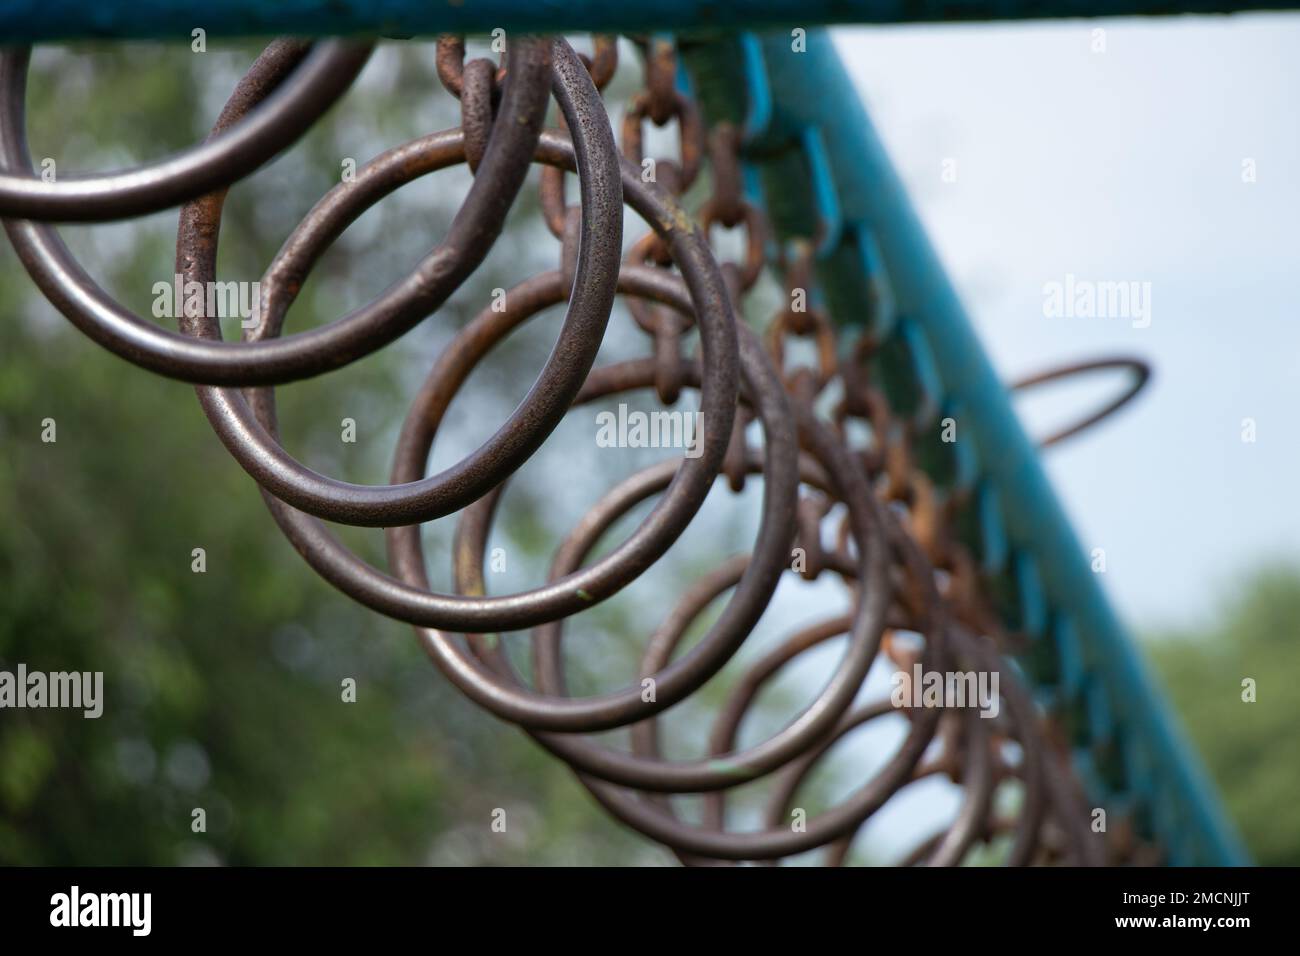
x=888 y=530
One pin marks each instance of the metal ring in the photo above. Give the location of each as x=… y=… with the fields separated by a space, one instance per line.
x=362 y=331
x=476 y=113
x=727 y=768
x=550 y=708
x=257 y=449
x=702 y=292
x=825 y=827
x=1141 y=376
x=953 y=841
x=722 y=738
x=309 y=91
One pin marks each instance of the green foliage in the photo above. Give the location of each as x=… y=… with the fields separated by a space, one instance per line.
x=1251 y=749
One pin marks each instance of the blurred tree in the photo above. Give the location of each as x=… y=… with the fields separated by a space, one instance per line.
x=1251 y=749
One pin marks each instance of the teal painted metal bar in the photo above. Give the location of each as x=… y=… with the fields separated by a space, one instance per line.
x=1129 y=747
x=35 y=20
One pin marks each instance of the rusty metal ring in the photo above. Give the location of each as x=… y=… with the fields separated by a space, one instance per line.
x=825 y=827
x=1141 y=376
x=476 y=109
x=415 y=605
x=723 y=768
x=508 y=699
x=691 y=136
x=303 y=95
x=602 y=64
x=817 y=327
x=207 y=360
x=554 y=207
x=753 y=589
x=258 y=451
x=655 y=321
x=722 y=738
x=755 y=223
x=449 y=61
x=954 y=841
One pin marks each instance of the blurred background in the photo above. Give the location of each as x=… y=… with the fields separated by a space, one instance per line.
x=222 y=689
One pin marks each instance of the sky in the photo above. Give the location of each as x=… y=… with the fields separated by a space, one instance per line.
x=1122 y=157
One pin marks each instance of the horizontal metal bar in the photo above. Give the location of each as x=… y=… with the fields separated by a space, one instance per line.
x=37 y=20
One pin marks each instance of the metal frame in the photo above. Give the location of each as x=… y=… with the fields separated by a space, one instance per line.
x=31 y=20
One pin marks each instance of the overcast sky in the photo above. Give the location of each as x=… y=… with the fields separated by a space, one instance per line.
x=1125 y=165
